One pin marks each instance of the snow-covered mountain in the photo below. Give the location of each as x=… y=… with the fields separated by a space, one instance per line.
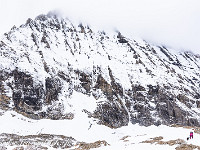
x=53 y=69
x=44 y=61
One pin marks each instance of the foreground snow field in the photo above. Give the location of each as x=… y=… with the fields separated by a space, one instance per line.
x=86 y=129
x=127 y=137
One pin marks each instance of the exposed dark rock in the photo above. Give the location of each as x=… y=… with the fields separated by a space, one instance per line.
x=55 y=141
x=104 y=86
x=143 y=116
x=153 y=90
x=164 y=50
x=45 y=40
x=85 y=81
x=198 y=104
x=4 y=99
x=42 y=17
x=112 y=114
x=29 y=98
x=63 y=76
x=87 y=146
x=117 y=89
x=25 y=94
x=53 y=87
x=166 y=108
x=121 y=38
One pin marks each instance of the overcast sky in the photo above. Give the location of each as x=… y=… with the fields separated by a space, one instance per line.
x=173 y=23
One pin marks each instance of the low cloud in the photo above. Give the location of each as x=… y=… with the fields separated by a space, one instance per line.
x=173 y=23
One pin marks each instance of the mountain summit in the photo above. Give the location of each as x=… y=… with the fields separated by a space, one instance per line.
x=48 y=61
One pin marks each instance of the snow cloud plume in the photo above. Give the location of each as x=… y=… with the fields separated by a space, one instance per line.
x=173 y=23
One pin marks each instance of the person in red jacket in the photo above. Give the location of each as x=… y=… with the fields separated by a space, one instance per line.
x=191 y=135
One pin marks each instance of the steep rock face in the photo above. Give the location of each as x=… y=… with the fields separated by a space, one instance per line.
x=45 y=61
x=112 y=113
x=26 y=96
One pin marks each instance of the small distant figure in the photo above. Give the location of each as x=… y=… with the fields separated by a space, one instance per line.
x=191 y=135
x=188 y=138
